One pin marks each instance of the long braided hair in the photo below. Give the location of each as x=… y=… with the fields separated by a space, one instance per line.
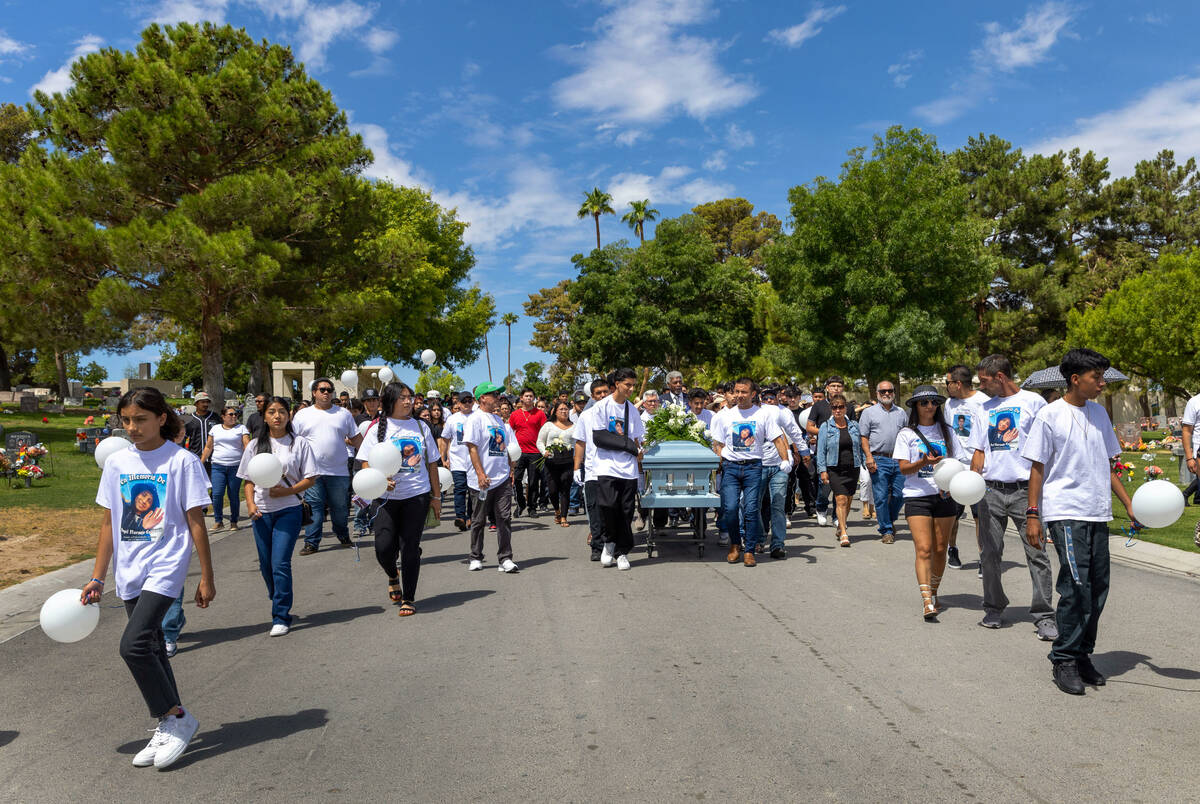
x=389 y=398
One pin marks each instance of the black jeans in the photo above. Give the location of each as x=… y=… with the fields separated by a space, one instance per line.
x=616 y=500
x=558 y=477
x=527 y=494
x=144 y=653
x=1083 y=576
x=591 y=493
x=398 y=525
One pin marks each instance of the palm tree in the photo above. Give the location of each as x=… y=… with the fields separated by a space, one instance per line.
x=596 y=203
x=637 y=217
x=508 y=319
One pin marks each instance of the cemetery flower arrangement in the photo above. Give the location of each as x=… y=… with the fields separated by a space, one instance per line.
x=554 y=448
x=34 y=451
x=677 y=423
x=30 y=470
x=1123 y=470
x=5 y=462
x=1153 y=472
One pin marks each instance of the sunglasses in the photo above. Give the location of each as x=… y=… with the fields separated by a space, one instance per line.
x=928 y=402
x=323 y=390
x=837 y=407
x=888 y=391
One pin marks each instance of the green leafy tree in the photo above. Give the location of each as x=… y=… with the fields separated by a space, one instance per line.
x=1148 y=325
x=1162 y=209
x=669 y=304
x=736 y=230
x=437 y=378
x=552 y=310
x=595 y=204
x=874 y=277
x=92 y=374
x=636 y=217
x=508 y=319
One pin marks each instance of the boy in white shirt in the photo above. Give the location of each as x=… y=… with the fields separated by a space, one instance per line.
x=487 y=437
x=1071 y=448
x=456 y=457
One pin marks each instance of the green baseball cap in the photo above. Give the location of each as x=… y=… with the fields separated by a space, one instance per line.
x=487 y=388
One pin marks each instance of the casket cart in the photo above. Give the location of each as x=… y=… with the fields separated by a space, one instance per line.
x=679 y=475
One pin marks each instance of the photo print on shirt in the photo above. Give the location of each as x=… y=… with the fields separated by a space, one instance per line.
x=458 y=433
x=142 y=513
x=616 y=425
x=744 y=436
x=939 y=448
x=1002 y=428
x=410 y=451
x=496 y=440
x=962 y=425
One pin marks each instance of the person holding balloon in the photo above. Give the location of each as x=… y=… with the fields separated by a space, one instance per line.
x=920 y=446
x=401 y=448
x=166 y=488
x=277 y=467
x=1071 y=448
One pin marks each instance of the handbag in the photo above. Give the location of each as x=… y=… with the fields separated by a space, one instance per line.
x=306 y=514
x=606 y=439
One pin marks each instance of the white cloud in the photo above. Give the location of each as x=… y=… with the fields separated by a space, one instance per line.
x=380 y=40
x=1166 y=116
x=1029 y=42
x=672 y=185
x=715 y=162
x=640 y=68
x=901 y=72
x=60 y=80
x=319 y=26
x=629 y=137
x=534 y=202
x=796 y=35
x=10 y=46
x=1004 y=51
x=169 y=12
x=737 y=137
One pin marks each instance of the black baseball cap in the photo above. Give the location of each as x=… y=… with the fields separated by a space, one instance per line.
x=579 y=396
x=370 y=393
x=466 y=396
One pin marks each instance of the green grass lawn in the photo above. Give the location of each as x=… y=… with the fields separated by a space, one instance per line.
x=1178 y=535
x=75 y=475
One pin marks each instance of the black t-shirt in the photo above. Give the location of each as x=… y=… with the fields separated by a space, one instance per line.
x=253 y=422
x=845 y=450
x=822 y=413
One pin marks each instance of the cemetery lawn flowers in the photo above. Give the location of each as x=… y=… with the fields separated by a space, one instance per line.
x=1153 y=472
x=676 y=423
x=31 y=470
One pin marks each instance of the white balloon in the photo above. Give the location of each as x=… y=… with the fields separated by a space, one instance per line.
x=264 y=470
x=514 y=451
x=802 y=419
x=385 y=457
x=587 y=388
x=967 y=488
x=370 y=483
x=386 y=375
x=1157 y=504
x=64 y=619
x=350 y=379
x=445 y=479
x=428 y=357
x=944 y=472
x=108 y=446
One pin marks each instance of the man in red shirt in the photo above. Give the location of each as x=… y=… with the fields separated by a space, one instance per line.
x=526 y=421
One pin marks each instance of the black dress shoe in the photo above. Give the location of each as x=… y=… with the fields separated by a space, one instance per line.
x=1066 y=676
x=595 y=555
x=307 y=550
x=779 y=553
x=1088 y=672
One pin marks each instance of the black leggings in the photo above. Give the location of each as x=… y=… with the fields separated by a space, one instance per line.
x=398 y=525
x=559 y=479
x=145 y=654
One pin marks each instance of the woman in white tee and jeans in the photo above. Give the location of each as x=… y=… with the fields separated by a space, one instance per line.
x=226 y=443
x=930 y=513
x=398 y=518
x=154 y=493
x=276 y=512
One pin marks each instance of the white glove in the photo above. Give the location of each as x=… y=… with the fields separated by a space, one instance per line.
x=786 y=467
x=577 y=475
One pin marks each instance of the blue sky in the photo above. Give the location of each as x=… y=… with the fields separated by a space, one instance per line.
x=510 y=111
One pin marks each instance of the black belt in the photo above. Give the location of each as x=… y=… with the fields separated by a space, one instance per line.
x=998 y=486
x=745 y=463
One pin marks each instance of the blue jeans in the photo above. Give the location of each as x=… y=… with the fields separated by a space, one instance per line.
x=332 y=491
x=742 y=481
x=774 y=485
x=887 y=487
x=275 y=536
x=225 y=481
x=174 y=621
x=462 y=494
x=576 y=496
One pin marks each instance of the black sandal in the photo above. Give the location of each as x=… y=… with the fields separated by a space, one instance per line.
x=407 y=609
x=394 y=592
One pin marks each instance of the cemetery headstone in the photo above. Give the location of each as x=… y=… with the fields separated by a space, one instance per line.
x=17 y=439
x=29 y=403
x=1129 y=432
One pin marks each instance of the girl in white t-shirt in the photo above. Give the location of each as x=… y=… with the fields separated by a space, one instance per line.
x=154 y=494
x=226 y=443
x=276 y=513
x=398 y=517
x=930 y=514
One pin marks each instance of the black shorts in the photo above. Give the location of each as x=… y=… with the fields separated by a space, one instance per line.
x=959 y=509
x=934 y=505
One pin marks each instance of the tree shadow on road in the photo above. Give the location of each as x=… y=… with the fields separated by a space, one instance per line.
x=1119 y=662
x=241 y=734
x=7 y=737
x=448 y=600
x=215 y=636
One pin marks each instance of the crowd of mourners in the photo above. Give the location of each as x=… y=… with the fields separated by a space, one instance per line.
x=789 y=457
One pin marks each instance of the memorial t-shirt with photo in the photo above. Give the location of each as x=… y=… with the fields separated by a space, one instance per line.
x=961 y=415
x=456 y=446
x=910 y=447
x=1004 y=423
x=608 y=415
x=747 y=434
x=148 y=494
x=491 y=437
x=417 y=449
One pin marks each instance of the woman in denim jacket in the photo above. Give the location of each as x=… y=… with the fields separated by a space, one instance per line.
x=839 y=456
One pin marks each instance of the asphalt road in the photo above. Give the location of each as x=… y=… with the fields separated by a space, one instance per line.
x=813 y=678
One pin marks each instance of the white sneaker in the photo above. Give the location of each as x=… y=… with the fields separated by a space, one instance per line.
x=170 y=647
x=475 y=565
x=821 y=520
x=606 y=556
x=145 y=757
x=177 y=733
x=508 y=565
x=622 y=562
x=279 y=629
